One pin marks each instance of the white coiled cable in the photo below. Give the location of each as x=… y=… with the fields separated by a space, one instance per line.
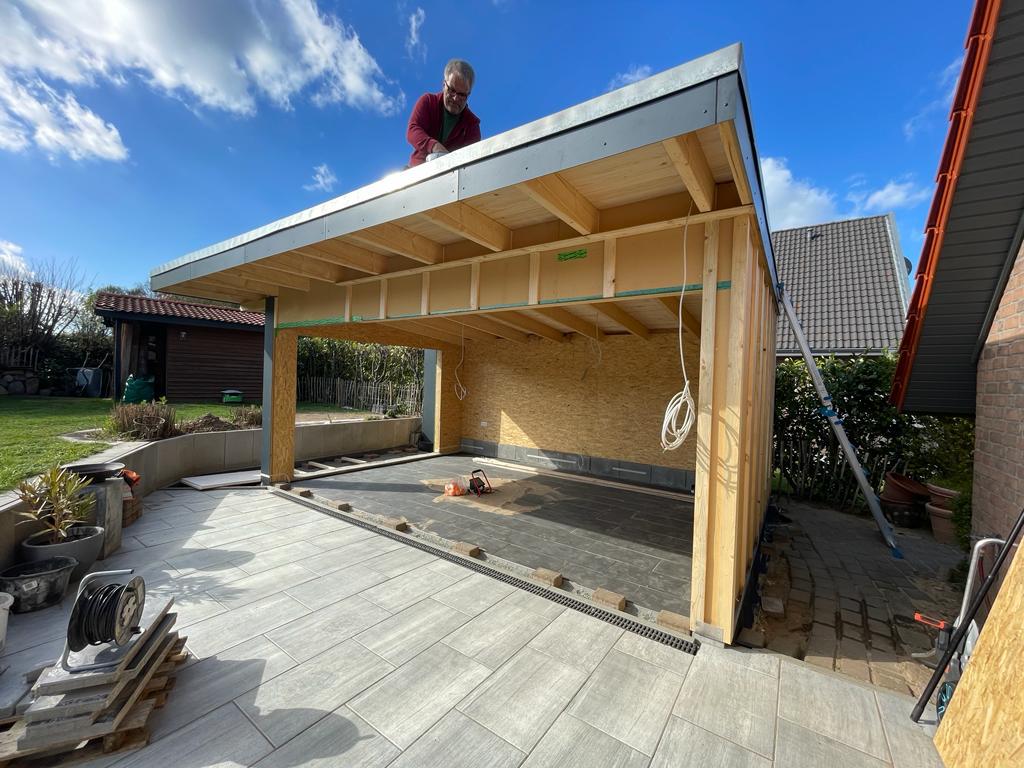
x=674 y=433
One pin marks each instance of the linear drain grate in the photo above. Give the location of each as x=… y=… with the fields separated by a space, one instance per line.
x=630 y=625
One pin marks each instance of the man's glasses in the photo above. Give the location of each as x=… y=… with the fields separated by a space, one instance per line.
x=453 y=92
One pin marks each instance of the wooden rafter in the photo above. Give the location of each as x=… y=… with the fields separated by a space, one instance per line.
x=691 y=164
x=622 y=317
x=226 y=280
x=493 y=327
x=396 y=239
x=690 y=323
x=344 y=254
x=202 y=291
x=459 y=331
x=471 y=224
x=577 y=323
x=564 y=201
x=294 y=264
x=530 y=325
x=272 y=276
x=429 y=331
x=731 y=145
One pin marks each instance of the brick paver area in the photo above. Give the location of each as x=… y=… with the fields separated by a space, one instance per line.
x=318 y=643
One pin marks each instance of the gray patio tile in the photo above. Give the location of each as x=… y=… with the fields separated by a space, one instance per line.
x=317 y=528
x=221 y=536
x=629 y=699
x=271 y=558
x=27 y=630
x=342 y=537
x=216 y=680
x=800 y=747
x=223 y=738
x=293 y=701
x=653 y=652
x=761 y=661
x=337 y=585
x=411 y=699
x=415 y=629
x=314 y=633
x=683 y=743
x=202 y=559
x=832 y=706
x=350 y=554
x=474 y=594
x=190 y=603
x=12 y=683
x=400 y=561
x=732 y=701
x=572 y=743
x=450 y=568
x=219 y=633
x=910 y=744
x=458 y=742
x=497 y=634
x=521 y=700
x=541 y=606
x=577 y=639
x=411 y=587
x=340 y=739
x=260 y=585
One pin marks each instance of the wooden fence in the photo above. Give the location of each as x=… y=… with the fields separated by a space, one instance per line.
x=361 y=395
x=19 y=358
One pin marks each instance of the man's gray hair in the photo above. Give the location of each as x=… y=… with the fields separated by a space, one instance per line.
x=460 y=68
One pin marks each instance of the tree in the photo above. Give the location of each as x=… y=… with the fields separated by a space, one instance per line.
x=38 y=304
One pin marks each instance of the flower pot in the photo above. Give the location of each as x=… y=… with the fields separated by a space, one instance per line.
x=941 y=497
x=38 y=584
x=83 y=543
x=942 y=524
x=6 y=601
x=902 y=488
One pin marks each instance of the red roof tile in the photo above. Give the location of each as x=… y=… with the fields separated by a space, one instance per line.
x=144 y=305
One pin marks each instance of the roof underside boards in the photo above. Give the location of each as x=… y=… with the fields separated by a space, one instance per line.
x=982 y=235
x=848 y=283
x=649 y=160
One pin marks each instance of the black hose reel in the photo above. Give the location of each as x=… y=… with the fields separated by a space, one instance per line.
x=104 y=614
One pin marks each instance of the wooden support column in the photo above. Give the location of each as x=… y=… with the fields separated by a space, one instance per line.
x=447 y=406
x=282 y=405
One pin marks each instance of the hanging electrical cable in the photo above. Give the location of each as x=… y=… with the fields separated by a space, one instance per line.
x=460 y=389
x=679 y=414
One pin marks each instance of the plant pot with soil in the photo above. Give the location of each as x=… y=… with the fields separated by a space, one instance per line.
x=941 y=496
x=900 y=488
x=55 y=500
x=942 y=524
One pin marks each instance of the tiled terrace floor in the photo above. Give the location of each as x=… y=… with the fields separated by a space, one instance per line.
x=318 y=643
x=636 y=544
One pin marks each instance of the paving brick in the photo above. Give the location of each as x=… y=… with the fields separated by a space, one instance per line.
x=878 y=613
x=607 y=597
x=849 y=605
x=773 y=606
x=552 y=578
x=880 y=627
x=800 y=596
x=890 y=682
x=915 y=638
x=854 y=631
x=851 y=617
x=802 y=584
x=825 y=616
x=466 y=549
x=882 y=643
x=674 y=621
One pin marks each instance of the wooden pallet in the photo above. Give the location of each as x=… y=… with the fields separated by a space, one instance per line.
x=119 y=726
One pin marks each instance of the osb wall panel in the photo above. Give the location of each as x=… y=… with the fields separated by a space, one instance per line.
x=450 y=291
x=366 y=300
x=604 y=400
x=449 y=416
x=982 y=726
x=575 y=278
x=322 y=302
x=655 y=260
x=505 y=282
x=405 y=295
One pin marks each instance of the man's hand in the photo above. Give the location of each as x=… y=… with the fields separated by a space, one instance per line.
x=438 y=147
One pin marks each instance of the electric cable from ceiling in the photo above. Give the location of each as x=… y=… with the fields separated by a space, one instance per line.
x=460 y=389
x=674 y=431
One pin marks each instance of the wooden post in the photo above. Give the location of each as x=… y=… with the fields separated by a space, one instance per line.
x=447 y=406
x=282 y=438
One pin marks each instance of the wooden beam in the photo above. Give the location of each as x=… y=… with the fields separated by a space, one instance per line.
x=396 y=239
x=271 y=276
x=731 y=145
x=424 y=338
x=295 y=264
x=382 y=311
x=429 y=331
x=609 y=268
x=226 y=280
x=471 y=224
x=457 y=329
x=344 y=254
x=488 y=325
x=691 y=164
x=530 y=325
x=563 y=200
x=690 y=323
x=533 y=290
x=425 y=294
x=348 y=303
x=281 y=461
x=578 y=324
x=623 y=318
x=474 y=285
x=199 y=291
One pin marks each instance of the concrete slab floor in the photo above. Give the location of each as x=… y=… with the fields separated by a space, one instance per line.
x=358 y=677
x=635 y=544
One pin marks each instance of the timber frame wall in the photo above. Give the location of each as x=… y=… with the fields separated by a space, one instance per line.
x=623 y=218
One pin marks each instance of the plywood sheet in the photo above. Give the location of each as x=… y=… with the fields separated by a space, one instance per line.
x=365 y=301
x=571 y=278
x=222 y=480
x=404 y=295
x=449 y=290
x=637 y=175
x=504 y=283
x=510 y=206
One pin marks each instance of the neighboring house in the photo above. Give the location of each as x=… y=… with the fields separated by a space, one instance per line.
x=848 y=283
x=193 y=351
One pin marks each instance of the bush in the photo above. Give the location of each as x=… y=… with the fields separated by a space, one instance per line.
x=247 y=416
x=962 y=516
x=143 y=421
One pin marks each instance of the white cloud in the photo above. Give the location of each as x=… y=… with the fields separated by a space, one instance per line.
x=895 y=194
x=323 y=179
x=224 y=56
x=11 y=261
x=937 y=105
x=794 y=202
x=415 y=48
x=631 y=75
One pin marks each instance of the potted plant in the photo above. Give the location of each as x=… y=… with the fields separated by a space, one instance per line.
x=55 y=499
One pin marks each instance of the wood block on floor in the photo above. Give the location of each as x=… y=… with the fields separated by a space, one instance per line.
x=674 y=621
x=607 y=597
x=466 y=549
x=546 y=576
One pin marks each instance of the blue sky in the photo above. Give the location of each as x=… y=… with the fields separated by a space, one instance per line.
x=130 y=136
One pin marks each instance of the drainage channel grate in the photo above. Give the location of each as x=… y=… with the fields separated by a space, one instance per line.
x=623 y=622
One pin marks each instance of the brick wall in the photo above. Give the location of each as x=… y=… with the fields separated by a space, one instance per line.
x=999 y=423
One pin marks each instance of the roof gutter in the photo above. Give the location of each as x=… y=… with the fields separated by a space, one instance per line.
x=978 y=45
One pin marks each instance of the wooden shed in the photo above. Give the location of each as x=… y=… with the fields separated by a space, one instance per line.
x=545 y=265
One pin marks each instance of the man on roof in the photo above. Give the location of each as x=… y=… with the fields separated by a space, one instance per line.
x=441 y=122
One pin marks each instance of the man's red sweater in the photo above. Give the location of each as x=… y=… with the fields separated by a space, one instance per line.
x=425 y=128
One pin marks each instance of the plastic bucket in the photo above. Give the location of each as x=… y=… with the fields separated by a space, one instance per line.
x=6 y=601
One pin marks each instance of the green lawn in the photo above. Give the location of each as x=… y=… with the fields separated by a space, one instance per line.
x=30 y=428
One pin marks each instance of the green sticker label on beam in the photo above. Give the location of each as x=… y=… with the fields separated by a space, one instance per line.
x=570 y=255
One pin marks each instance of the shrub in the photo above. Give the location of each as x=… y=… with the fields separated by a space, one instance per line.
x=143 y=421
x=962 y=516
x=54 y=500
x=247 y=416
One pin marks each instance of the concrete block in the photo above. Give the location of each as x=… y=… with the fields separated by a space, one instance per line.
x=344 y=506
x=773 y=606
x=208 y=452
x=242 y=449
x=546 y=576
x=306 y=493
x=751 y=638
x=466 y=549
x=673 y=620
x=607 y=597
x=394 y=523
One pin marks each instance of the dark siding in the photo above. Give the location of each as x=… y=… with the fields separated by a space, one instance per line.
x=208 y=360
